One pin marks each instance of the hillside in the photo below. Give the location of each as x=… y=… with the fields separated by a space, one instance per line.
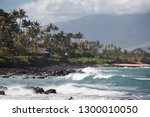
x=127 y=31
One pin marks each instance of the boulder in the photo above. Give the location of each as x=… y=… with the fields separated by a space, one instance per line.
x=80 y=71
x=71 y=98
x=2 y=92
x=38 y=90
x=3 y=88
x=50 y=91
x=41 y=77
x=60 y=72
x=5 y=76
x=25 y=77
x=71 y=71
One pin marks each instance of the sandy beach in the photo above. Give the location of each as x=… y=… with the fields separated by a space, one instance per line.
x=132 y=65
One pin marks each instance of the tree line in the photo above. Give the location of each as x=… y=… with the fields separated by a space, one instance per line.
x=20 y=36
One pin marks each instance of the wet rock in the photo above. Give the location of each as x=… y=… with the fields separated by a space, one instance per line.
x=80 y=71
x=3 y=88
x=41 y=77
x=28 y=77
x=71 y=98
x=40 y=73
x=2 y=92
x=50 y=91
x=56 y=73
x=38 y=90
x=71 y=71
x=5 y=76
x=61 y=72
x=25 y=77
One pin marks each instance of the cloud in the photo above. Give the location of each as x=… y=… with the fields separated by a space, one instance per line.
x=64 y=10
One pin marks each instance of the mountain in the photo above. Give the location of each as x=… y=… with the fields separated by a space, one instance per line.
x=127 y=31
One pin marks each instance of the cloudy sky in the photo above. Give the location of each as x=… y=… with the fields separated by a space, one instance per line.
x=63 y=10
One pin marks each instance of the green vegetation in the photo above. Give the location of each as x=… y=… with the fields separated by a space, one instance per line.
x=86 y=60
x=25 y=42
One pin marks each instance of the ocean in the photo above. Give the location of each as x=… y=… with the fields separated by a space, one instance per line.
x=93 y=83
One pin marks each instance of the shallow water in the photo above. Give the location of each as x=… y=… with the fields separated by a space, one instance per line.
x=96 y=83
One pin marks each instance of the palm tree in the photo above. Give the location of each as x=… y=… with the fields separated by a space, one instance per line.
x=15 y=14
x=47 y=35
x=26 y=25
x=55 y=28
x=2 y=25
x=34 y=34
x=70 y=35
x=21 y=38
x=8 y=29
x=79 y=36
x=21 y=16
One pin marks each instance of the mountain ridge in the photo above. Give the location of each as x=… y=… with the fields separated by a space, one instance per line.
x=127 y=31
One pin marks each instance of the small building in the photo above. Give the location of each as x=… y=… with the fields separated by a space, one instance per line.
x=39 y=51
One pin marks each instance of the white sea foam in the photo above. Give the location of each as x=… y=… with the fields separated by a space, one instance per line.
x=75 y=89
x=64 y=92
x=71 y=86
x=90 y=70
x=100 y=75
x=82 y=76
x=18 y=90
x=142 y=78
x=77 y=76
x=145 y=67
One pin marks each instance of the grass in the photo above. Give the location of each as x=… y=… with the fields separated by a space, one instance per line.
x=20 y=61
x=85 y=60
x=2 y=60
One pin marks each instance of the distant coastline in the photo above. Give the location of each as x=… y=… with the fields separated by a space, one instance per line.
x=55 y=68
x=132 y=65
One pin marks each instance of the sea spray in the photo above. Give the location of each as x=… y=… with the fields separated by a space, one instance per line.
x=89 y=83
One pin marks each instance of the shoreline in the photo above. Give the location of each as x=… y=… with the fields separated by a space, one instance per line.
x=58 y=69
x=43 y=71
x=131 y=65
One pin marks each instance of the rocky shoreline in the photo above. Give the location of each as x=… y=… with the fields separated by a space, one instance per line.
x=35 y=72
x=38 y=72
x=54 y=70
x=2 y=90
x=45 y=72
x=36 y=90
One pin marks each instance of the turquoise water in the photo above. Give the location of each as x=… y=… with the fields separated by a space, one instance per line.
x=96 y=83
